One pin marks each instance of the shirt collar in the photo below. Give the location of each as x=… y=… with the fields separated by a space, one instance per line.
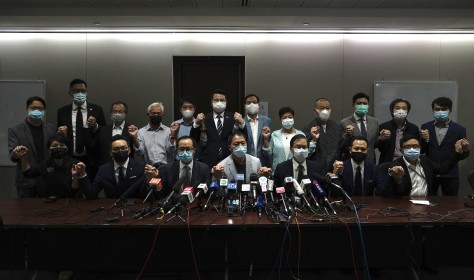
x=407 y=163
x=120 y=126
x=216 y=114
x=252 y=120
x=442 y=124
x=181 y=122
x=116 y=165
x=296 y=164
x=356 y=117
x=182 y=165
x=149 y=128
x=74 y=105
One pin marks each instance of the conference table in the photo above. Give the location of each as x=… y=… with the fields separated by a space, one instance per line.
x=385 y=233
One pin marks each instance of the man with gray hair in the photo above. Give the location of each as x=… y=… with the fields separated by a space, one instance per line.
x=155 y=142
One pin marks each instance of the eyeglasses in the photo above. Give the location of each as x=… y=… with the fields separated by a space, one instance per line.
x=414 y=146
x=35 y=108
x=122 y=149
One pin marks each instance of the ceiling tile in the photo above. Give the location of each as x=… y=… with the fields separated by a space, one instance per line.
x=156 y=3
x=129 y=3
x=342 y=3
x=262 y=3
x=182 y=3
x=369 y=3
x=289 y=3
x=209 y=3
x=316 y=3
x=103 y=3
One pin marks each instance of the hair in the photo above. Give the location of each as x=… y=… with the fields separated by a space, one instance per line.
x=443 y=102
x=251 y=95
x=217 y=91
x=359 y=138
x=359 y=95
x=320 y=99
x=284 y=110
x=119 y=103
x=392 y=104
x=185 y=137
x=35 y=98
x=296 y=137
x=58 y=137
x=117 y=137
x=407 y=137
x=156 y=104
x=77 y=81
x=188 y=99
x=237 y=133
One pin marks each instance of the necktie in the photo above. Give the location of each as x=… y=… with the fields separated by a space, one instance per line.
x=79 y=128
x=300 y=173
x=121 y=179
x=220 y=153
x=358 y=182
x=219 y=125
x=363 y=131
x=187 y=176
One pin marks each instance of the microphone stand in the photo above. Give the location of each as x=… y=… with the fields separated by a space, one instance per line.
x=176 y=209
x=329 y=181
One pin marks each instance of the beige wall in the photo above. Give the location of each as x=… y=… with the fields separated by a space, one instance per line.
x=285 y=70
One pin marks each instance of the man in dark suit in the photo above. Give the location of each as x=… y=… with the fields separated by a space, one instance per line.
x=212 y=130
x=100 y=141
x=254 y=122
x=439 y=137
x=32 y=134
x=196 y=171
x=358 y=175
x=360 y=124
x=329 y=143
x=392 y=131
x=116 y=176
x=298 y=166
x=414 y=174
x=79 y=119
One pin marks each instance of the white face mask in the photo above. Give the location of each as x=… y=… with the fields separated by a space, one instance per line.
x=324 y=114
x=219 y=107
x=287 y=123
x=400 y=114
x=252 y=108
x=187 y=114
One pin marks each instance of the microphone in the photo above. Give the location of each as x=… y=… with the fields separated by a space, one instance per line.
x=130 y=190
x=300 y=192
x=182 y=200
x=155 y=184
x=213 y=188
x=202 y=188
x=253 y=184
x=322 y=194
x=281 y=192
x=175 y=189
x=306 y=183
x=270 y=184
x=263 y=182
x=244 y=190
x=259 y=205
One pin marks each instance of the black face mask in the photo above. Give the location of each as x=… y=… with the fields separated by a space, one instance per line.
x=358 y=156
x=58 y=153
x=155 y=120
x=120 y=156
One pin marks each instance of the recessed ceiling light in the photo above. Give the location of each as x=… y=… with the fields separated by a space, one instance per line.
x=305 y=24
x=96 y=23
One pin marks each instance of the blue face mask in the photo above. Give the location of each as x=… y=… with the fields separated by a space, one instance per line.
x=185 y=156
x=300 y=154
x=36 y=114
x=79 y=98
x=239 y=151
x=441 y=115
x=411 y=154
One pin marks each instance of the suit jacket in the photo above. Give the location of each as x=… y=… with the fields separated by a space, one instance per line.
x=430 y=168
x=65 y=118
x=276 y=151
x=285 y=169
x=441 y=152
x=169 y=174
x=105 y=180
x=251 y=148
x=252 y=165
x=214 y=141
x=330 y=143
x=371 y=181
x=20 y=135
x=372 y=127
x=100 y=142
x=387 y=147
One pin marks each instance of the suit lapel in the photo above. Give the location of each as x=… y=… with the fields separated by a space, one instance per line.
x=30 y=139
x=432 y=132
x=356 y=126
x=248 y=166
